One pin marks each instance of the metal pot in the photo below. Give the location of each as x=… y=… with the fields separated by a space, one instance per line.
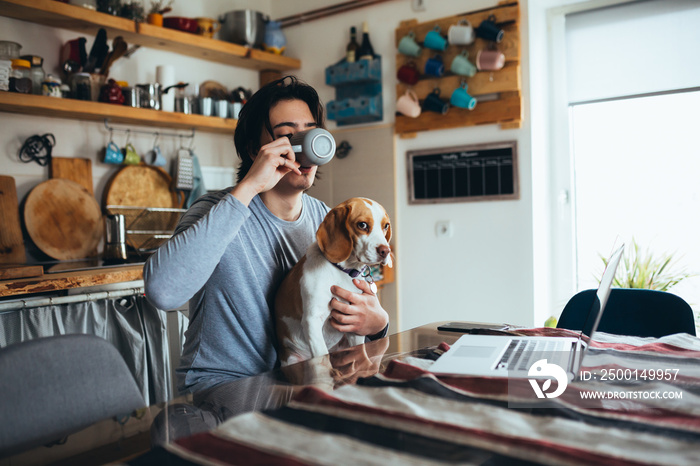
x=152 y=94
x=244 y=27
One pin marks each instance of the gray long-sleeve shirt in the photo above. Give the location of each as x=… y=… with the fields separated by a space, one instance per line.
x=228 y=260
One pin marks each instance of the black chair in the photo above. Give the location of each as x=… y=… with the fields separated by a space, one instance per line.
x=52 y=387
x=635 y=312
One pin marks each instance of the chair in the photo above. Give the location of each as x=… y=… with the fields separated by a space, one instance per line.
x=635 y=312
x=52 y=387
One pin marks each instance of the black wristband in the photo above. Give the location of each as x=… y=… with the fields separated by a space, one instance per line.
x=381 y=334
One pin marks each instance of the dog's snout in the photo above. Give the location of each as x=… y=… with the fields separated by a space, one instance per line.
x=383 y=251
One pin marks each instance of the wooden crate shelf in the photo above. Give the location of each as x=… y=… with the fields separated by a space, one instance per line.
x=498 y=93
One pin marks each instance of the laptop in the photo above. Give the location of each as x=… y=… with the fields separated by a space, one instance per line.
x=509 y=356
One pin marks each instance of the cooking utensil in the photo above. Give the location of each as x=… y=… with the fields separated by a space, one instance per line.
x=74 y=169
x=63 y=219
x=98 y=52
x=119 y=48
x=245 y=27
x=115 y=238
x=152 y=94
x=141 y=186
x=11 y=242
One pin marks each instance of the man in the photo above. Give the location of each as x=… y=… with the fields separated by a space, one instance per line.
x=232 y=248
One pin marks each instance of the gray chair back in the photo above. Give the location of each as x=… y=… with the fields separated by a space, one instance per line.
x=52 y=387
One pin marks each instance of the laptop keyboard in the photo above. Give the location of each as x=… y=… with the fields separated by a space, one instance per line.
x=521 y=354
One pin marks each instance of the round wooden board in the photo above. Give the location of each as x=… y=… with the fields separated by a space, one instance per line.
x=63 y=219
x=141 y=186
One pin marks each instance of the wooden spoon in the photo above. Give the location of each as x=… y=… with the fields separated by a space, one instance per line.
x=119 y=47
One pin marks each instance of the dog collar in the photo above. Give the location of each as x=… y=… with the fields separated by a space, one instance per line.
x=354 y=273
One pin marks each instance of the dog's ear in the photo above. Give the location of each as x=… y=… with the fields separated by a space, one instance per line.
x=333 y=236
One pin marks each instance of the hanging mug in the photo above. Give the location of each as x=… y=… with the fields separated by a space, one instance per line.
x=434 y=40
x=155 y=156
x=489 y=30
x=460 y=98
x=408 y=73
x=409 y=46
x=408 y=104
x=461 y=33
x=131 y=157
x=490 y=60
x=434 y=66
x=113 y=154
x=462 y=66
x=434 y=103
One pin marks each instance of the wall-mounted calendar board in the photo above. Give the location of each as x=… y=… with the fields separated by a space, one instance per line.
x=463 y=173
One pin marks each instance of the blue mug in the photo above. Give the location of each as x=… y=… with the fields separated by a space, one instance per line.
x=460 y=98
x=434 y=40
x=113 y=154
x=434 y=66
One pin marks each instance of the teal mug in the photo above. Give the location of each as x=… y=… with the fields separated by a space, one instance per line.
x=462 y=66
x=409 y=46
x=460 y=98
x=434 y=40
x=113 y=154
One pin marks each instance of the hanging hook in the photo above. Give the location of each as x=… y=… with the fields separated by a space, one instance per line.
x=155 y=143
x=128 y=137
x=191 y=148
x=111 y=135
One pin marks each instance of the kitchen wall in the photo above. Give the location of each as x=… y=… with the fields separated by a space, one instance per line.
x=482 y=273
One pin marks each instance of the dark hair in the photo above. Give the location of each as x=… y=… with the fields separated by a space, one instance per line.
x=255 y=115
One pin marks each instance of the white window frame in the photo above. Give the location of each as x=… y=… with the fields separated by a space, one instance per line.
x=552 y=177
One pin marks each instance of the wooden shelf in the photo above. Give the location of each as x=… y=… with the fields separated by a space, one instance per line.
x=29 y=104
x=75 y=18
x=68 y=280
x=499 y=93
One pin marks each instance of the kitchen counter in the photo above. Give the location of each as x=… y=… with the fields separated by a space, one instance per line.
x=69 y=280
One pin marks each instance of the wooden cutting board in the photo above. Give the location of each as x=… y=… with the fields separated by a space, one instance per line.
x=141 y=186
x=63 y=219
x=74 y=169
x=11 y=241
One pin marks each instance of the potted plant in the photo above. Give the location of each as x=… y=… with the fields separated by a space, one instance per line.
x=157 y=10
x=641 y=269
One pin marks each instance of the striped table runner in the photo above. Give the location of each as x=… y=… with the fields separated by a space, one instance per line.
x=406 y=415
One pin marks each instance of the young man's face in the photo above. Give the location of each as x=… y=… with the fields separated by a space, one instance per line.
x=288 y=117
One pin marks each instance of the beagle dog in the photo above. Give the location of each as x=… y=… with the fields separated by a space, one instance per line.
x=352 y=237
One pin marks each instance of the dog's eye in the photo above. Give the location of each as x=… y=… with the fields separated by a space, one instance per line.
x=363 y=226
x=386 y=227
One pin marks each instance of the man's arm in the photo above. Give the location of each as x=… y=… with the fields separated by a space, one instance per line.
x=181 y=267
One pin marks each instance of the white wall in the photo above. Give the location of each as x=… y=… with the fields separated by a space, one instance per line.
x=484 y=272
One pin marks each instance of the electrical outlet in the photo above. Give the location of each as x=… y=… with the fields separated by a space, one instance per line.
x=443 y=229
x=418 y=5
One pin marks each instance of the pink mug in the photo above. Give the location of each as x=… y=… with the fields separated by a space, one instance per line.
x=408 y=104
x=490 y=60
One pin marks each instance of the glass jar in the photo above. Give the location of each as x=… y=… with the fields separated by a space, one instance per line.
x=36 y=72
x=80 y=86
x=20 y=80
x=9 y=50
